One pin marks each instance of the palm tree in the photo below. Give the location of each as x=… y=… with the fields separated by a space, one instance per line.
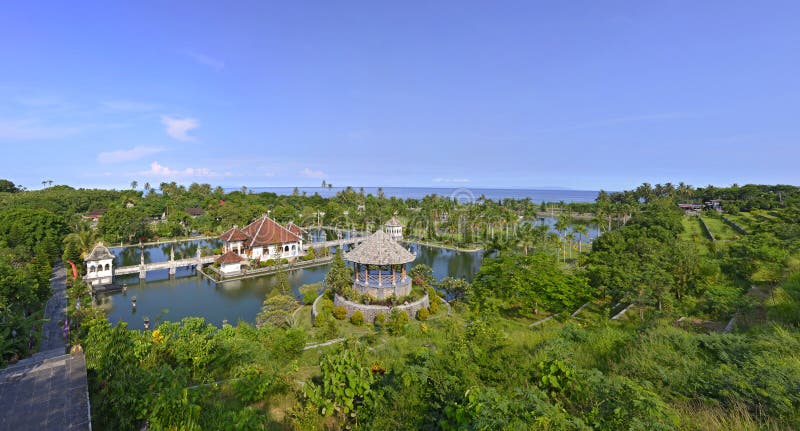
x=540 y=233
x=561 y=225
x=525 y=237
x=49 y=183
x=571 y=240
x=44 y=183
x=553 y=237
x=581 y=230
x=134 y=184
x=84 y=237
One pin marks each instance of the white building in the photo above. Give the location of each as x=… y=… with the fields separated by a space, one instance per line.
x=394 y=228
x=99 y=266
x=230 y=263
x=263 y=239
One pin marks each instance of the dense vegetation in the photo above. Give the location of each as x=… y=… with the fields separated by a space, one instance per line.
x=669 y=320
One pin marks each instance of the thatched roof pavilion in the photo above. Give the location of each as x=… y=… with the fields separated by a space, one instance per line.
x=380 y=266
x=380 y=249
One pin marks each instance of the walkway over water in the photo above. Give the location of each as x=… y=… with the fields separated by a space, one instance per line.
x=198 y=261
x=172 y=265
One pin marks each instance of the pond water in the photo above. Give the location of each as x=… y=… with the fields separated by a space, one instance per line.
x=160 y=297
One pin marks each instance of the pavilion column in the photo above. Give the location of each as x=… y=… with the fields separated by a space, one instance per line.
x=394 y=280
x=403 y=276
x=366 y=273
x=380 y=275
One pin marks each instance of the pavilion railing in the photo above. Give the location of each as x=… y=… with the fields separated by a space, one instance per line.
x=382 y=280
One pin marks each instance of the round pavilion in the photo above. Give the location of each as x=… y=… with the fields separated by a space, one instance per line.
x=379 y=264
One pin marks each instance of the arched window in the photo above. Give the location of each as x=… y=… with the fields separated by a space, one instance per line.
x=286 y=248
x=293 y=247
x=92 y=269
x=107 y=267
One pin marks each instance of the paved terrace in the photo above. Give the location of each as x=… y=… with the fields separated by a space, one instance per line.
x=47 y=391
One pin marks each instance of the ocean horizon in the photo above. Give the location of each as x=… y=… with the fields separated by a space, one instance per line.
x=460 y=193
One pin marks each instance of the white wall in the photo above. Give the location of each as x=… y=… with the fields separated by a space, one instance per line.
x=97 y=273
x=230 y=268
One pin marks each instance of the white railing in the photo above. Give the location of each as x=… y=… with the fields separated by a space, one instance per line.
x=382 y=280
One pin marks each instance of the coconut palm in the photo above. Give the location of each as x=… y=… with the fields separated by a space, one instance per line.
x=561 y=225
x=581 y=230
x=84 y=237
x=525 y=237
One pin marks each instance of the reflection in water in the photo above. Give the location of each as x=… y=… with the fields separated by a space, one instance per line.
x=190 y=294
x=127 y=256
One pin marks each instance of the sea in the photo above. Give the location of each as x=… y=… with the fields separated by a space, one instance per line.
x=462 y=194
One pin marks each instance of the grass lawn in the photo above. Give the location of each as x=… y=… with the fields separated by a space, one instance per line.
x=721 y=231
x=693 y=233
x=745 y=220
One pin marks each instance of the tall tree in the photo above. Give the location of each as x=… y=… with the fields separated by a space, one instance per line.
x=339 y=277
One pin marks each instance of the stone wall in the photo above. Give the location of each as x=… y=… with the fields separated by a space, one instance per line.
x=387 y=291
x=314 y=308
x=370 y=311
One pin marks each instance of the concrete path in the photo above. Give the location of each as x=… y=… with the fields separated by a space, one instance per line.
x=326 y=343
x=55 y=312
x=47 y=391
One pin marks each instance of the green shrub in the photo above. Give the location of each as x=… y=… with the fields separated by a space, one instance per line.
x=357 y=318
x=423 y=314
x=331 y=329
x=320 y=320
x=398 y=320
x=380 y=321
x=309 y=292
x=340 y=313
x=435 y=300
x=326 y=306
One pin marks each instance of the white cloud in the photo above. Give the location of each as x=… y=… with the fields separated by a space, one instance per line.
x=207 y=61
x=450 y=180
x=134 y=153
x=128 y=106
x=157 y=169
x=179 y=127
x=310 y=173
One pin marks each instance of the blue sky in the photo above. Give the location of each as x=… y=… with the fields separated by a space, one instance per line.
x=579 y=94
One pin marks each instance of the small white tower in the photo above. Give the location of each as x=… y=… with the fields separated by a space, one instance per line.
x=99 y=266
x=394 y=229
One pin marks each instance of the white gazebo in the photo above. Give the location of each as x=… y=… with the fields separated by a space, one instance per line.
x=394 y=229
x=99 y=266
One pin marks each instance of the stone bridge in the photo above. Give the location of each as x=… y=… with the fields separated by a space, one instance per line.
x=171 y=264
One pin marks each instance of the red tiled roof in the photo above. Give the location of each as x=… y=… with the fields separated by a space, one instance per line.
x=233 y=234
x=95 y=214
x=229 y=257
x=266 y=231
x=295 y=229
